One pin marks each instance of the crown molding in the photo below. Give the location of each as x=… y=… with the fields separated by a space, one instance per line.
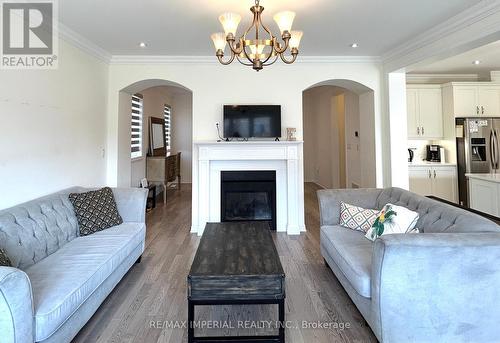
x=162 y=59
x=440 y=78
x=478 y=23
x=77 y=40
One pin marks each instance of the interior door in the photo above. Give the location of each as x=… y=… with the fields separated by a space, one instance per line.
x=412 y=112
x=420 y=180
x=489 y=101
x=444 y=183
x=465 y=101
x=430 y=110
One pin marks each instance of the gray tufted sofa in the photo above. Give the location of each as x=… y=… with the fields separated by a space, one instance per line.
x=442 y=285
x=58 y=279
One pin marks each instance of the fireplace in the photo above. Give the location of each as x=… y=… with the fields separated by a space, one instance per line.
x=248 y=196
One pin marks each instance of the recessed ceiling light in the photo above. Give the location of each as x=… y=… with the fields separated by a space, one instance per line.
x=476 y=62
x=354 y=45
x=143 y=45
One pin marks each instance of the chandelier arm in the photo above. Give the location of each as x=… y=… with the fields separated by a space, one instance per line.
x=234 y=47
x=283 y=58
x=250 y=27
x=245 y=64
x=270 y=63
x=246 y=55
x=282 y=49
x=229 y=61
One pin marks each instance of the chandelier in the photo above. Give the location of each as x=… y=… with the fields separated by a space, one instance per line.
x=258 y=47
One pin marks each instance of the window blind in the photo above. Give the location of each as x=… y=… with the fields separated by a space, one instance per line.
x=167 y=111
x=136 y=126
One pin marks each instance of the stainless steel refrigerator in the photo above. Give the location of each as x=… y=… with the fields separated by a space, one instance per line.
x=477 y=150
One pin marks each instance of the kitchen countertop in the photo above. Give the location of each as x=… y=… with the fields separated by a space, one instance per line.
x=426 y=163
x=485 y=177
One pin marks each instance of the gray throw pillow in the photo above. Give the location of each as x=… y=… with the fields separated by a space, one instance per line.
x=95 y=210
x=4 y=260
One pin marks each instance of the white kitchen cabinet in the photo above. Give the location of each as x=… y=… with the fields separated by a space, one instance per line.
x=420 y=181
x=473 y=99
x=483 y=196
x=425 y=111
x=436 y=180
x=488 y=100
x=412 y=111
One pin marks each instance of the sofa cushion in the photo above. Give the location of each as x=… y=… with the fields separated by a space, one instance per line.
x=63 y=281
x=352 y=253
x=357 y=218
x=32 y=231
x=95 y=210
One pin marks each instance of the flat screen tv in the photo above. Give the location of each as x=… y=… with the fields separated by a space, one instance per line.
x=252 y=121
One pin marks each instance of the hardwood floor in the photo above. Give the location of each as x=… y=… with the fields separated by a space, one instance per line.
x=150 y=305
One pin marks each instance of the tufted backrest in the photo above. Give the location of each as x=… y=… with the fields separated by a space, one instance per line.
x=32 y=231
x=436 y=216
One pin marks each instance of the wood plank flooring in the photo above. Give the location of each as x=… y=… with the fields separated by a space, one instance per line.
x=150 y=305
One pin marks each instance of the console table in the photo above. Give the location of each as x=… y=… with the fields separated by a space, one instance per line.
x=164 y=169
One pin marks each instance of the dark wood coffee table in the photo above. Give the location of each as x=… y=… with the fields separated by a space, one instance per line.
x=236 y=263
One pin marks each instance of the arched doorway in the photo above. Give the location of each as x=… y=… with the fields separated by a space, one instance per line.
x=159 y=99
x=339 y=134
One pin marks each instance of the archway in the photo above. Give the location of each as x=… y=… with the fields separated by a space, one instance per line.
x=158 y=97
x=339 y=134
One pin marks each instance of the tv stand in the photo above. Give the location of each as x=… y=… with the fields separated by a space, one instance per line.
x=277 y=139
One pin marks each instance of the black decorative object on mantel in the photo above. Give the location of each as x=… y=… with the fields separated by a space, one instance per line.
x=257 y=278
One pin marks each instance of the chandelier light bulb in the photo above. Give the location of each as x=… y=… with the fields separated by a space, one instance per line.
x=256 y=50
x=284 y=20
x=219 y=40
x=230 y=22
x=295 y=39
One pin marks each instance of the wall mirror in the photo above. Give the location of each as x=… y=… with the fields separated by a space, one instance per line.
x=157 y=139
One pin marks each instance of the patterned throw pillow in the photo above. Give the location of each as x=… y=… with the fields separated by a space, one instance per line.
x=357 y=218
x=95 y=210
x=393 y=219
x=4 y=260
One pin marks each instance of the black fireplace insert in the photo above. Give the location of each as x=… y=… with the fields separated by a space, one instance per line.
x=248 y=196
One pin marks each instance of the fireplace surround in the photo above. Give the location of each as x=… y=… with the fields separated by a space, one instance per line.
x=211 y=158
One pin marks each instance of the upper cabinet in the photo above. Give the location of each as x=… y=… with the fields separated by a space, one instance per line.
x=425 y=111
x=473 y=99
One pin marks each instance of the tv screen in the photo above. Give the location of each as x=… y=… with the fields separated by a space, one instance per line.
x=252 y=121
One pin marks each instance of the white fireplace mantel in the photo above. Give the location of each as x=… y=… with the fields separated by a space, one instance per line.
x=211 y=158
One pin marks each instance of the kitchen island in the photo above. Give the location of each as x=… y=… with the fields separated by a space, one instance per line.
x=484 y=193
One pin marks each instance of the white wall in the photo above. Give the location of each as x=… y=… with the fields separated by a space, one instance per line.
x=214 y=85
x=180 y=100
x=53 y=127
x=352 y=143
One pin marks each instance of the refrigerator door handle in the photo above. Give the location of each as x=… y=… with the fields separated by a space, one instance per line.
x=495 y=136
x=492 y=143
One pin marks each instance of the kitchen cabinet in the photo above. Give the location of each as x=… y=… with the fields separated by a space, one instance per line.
x=424 y=111
x=484 y=193
x=473 y=99
x=433 y=179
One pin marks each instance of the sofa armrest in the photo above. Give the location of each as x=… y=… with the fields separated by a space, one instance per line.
x=436 y=287
x=329 y=202
x=16 y=306
x=131 y=203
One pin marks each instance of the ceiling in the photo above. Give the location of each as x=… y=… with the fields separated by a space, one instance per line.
x=183 y=27
x=488 y=55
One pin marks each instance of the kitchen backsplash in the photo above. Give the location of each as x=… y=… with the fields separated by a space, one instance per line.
x=420 y=151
